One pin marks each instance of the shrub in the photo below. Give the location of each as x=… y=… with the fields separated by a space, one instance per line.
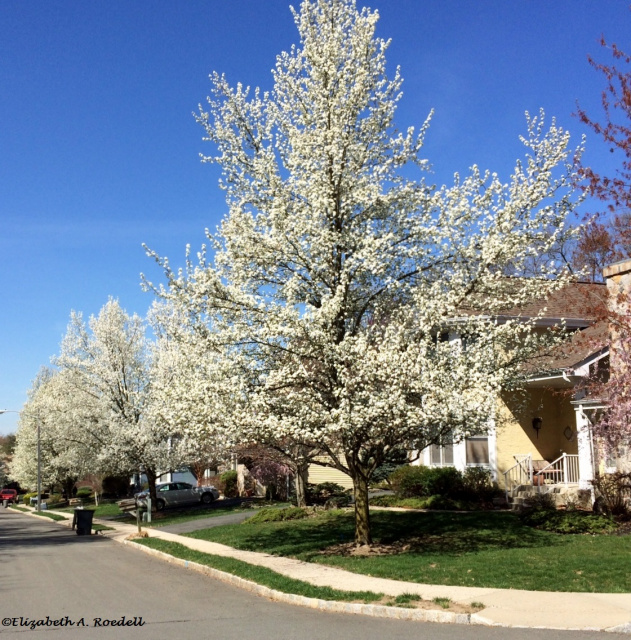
x=419 y=481
x=443 y=503
x=229 y=480
x=446 y=482
x=381 y=475
x=338 y=502
x=543 y=502
x=84 y=492
x=116 y=486
x=567 y=522
x=613 y=492
x=397 y=457
x=478 y=485
x=321 y=493
x=55 y=500
x=386 y=501
x=278 y=515
x=438 y=503
x=543 y=514
x=409 y=481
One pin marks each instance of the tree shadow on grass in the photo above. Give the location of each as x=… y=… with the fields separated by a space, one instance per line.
x=423 y=533
x=295 y=538
x=457 y=533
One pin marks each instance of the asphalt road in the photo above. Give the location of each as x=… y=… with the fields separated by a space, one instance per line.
x=48 y=572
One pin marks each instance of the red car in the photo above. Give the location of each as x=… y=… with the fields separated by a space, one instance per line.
x=8 y=494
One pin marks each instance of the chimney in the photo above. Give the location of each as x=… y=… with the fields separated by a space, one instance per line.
x=618 y=279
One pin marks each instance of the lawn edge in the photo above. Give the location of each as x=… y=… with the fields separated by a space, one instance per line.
x=332 y=606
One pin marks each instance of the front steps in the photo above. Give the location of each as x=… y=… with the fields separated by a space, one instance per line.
x=563 y=495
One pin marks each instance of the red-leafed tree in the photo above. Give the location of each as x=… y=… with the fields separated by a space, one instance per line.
x=594 y=250
x=608 y=237
x=615 y=130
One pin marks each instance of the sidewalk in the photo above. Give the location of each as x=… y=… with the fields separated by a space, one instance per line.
x=504 y=607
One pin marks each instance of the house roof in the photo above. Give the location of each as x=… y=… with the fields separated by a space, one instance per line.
x=578 y=301
x=579 y=348
x=582 y=306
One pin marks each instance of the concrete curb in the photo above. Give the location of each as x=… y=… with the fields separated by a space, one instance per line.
x=376 y=611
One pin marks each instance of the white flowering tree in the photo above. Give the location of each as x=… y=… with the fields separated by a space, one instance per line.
x=68 y=442
x=109 y=360
x=194 y=391
x=7 y=444
x=342 y=279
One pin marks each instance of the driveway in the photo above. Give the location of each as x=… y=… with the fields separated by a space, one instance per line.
x=207 y=523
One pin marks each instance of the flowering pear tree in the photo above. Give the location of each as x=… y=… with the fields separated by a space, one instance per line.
x=109 y=360
x=362 y=299
x=67 y=441
x=194 y=392
x=7 y=445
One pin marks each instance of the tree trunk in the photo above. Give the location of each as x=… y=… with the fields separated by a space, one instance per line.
x=151 y=480
x=68 y=484
x=198 y=469
x=301 y=481
x=363 y=535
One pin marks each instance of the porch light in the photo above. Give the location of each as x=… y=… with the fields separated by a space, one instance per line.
x=537 y=423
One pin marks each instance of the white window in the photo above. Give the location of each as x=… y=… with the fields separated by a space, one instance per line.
x=477 y=450
x=441 y=455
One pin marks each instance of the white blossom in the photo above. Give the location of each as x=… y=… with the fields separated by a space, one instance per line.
x=335 y=273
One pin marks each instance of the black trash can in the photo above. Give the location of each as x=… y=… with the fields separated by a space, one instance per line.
x=83 y=521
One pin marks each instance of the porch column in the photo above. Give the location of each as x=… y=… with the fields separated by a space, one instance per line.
x=585 y=450
x=493 y=450
x=460 y=456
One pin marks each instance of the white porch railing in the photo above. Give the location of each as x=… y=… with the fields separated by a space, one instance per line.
x=564 y=470
x=520 y=473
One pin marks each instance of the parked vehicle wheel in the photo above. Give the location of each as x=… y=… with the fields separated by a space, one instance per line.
x=207 y=498
x=160 y=505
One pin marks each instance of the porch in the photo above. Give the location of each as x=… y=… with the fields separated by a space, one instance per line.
x=526 y=473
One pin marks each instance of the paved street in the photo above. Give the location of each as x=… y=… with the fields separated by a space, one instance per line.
x=46 y=570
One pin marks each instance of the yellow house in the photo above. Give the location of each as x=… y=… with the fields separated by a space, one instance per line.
x=541 y=435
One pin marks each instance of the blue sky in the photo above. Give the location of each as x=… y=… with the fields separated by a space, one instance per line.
x=99 y=151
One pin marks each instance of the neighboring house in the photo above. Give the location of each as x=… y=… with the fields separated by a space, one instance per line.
x=318 y=474
x=542 y=435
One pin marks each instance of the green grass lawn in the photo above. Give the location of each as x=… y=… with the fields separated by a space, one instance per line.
x=108 y=510
x=163 y=518
x=260 y=575
x=486 y=549
x=52 y=516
